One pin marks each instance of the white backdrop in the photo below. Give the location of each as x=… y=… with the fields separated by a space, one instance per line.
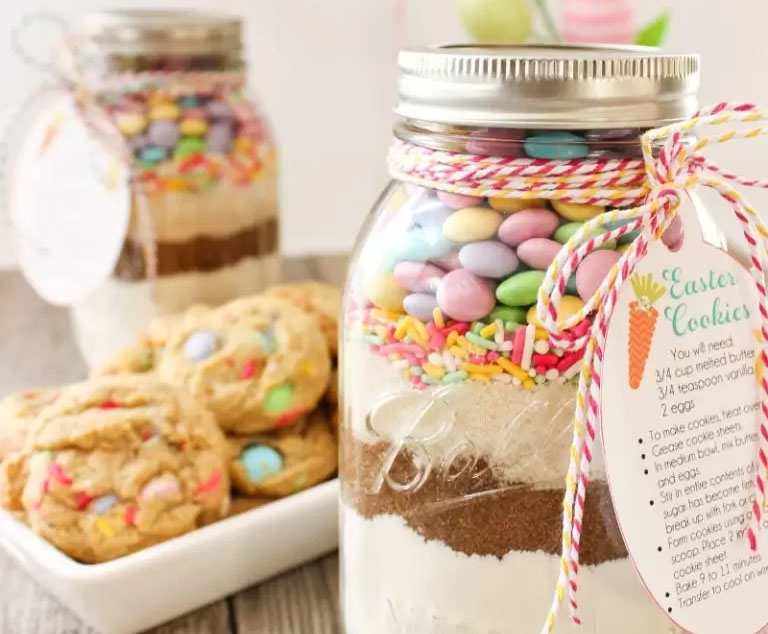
x=324 y=71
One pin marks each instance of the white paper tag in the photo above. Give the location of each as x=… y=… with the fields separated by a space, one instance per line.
x=69 y=206
x=680 y=416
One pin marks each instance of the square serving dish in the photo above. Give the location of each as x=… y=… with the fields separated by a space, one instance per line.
x=154 y=585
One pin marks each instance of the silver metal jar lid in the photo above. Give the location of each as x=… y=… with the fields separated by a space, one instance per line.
x=547 y=86
x=163 y=32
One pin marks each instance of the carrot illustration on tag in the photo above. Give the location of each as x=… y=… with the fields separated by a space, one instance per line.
x=642 y=324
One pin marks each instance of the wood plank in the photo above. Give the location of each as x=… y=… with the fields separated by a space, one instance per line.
x=303 y=601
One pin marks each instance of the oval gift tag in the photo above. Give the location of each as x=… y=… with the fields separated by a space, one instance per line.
x=680 y=420
x=69 y=205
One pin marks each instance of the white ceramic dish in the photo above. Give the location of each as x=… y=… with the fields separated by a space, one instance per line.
x=152 y=586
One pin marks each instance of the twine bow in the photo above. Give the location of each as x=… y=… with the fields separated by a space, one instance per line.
x=647 y=194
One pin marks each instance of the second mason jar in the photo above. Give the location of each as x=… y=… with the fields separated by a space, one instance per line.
x=204 y=216
x=457 y=407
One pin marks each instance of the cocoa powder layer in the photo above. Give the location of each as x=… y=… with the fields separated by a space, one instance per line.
x=471 y=510
x=200 y=254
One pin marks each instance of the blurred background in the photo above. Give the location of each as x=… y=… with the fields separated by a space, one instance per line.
x=324 y=71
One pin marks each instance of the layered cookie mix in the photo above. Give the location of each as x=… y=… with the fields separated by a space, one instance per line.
x=119 y=464
x=457 y=423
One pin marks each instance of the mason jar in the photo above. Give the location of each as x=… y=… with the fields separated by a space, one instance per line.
x=457 y=407
x=204 y=216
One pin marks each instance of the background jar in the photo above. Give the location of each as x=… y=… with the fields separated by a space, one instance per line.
x=204 y=199
x=457 y=411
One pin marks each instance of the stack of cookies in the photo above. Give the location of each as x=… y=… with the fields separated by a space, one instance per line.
x=242 y=395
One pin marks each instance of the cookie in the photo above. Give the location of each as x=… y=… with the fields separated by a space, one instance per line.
x=143 y=355
x=322 y=301
x=118 y=464
x=17 y=413
x=257 y=363
x=285 y=462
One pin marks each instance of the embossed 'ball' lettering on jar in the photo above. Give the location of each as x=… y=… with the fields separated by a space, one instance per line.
x=457 y=404
x=204 y=204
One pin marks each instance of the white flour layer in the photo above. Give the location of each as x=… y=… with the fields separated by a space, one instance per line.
x=526 y=434
x=395 y=582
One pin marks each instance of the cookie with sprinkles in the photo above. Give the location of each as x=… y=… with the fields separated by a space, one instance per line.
x=257 y=363
x=322 y=301
x=17 y=414
x=284 y=462
x=143 y=355
x=118 y=464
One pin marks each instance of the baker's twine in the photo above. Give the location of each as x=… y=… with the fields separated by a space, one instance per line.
x=648 y=193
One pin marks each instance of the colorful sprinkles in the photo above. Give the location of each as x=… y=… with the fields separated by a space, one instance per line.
x=447 y=351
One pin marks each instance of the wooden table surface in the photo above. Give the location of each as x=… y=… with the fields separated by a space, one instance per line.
x=36 y=349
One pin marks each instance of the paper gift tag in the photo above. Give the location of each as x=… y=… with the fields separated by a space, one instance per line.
x=69 y=205
x=680 y=420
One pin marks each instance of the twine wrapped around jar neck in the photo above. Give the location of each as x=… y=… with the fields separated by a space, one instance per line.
x=647 y=194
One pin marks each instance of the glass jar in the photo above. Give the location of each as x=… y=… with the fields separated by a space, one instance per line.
x=457 y=410
x=204 y=217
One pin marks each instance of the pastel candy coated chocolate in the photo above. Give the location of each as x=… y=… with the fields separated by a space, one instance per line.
x=201 y=345
x=163 y=133
x=565 y=232
x=527 y=224
x=385 y=292
x=164 y=111
x=488 y=258
x=130 y=123
x=556 y=145
x=420 y=305
x=423 y=243
x=459 y=201
x=218 y=109
x=218 y=140
x=470 y=224
x=593 y=270
x=192 y=126
x=575 y=212
x=279 y=399
x=538 y=253
x=433 y=213
x=496 y=142
x=102 y=505
x=190 y=101
x=514 y=314
x=464 y=296
x=673 y=234
x=449 y=261
x=569 y=306
x=152 y=154
x=261 y=462
x=521 y=289
x=188 y=146
x=513 y=205
x=418 y=277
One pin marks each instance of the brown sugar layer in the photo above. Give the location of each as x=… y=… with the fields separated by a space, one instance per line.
x=199 y=254
x=468 y=508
